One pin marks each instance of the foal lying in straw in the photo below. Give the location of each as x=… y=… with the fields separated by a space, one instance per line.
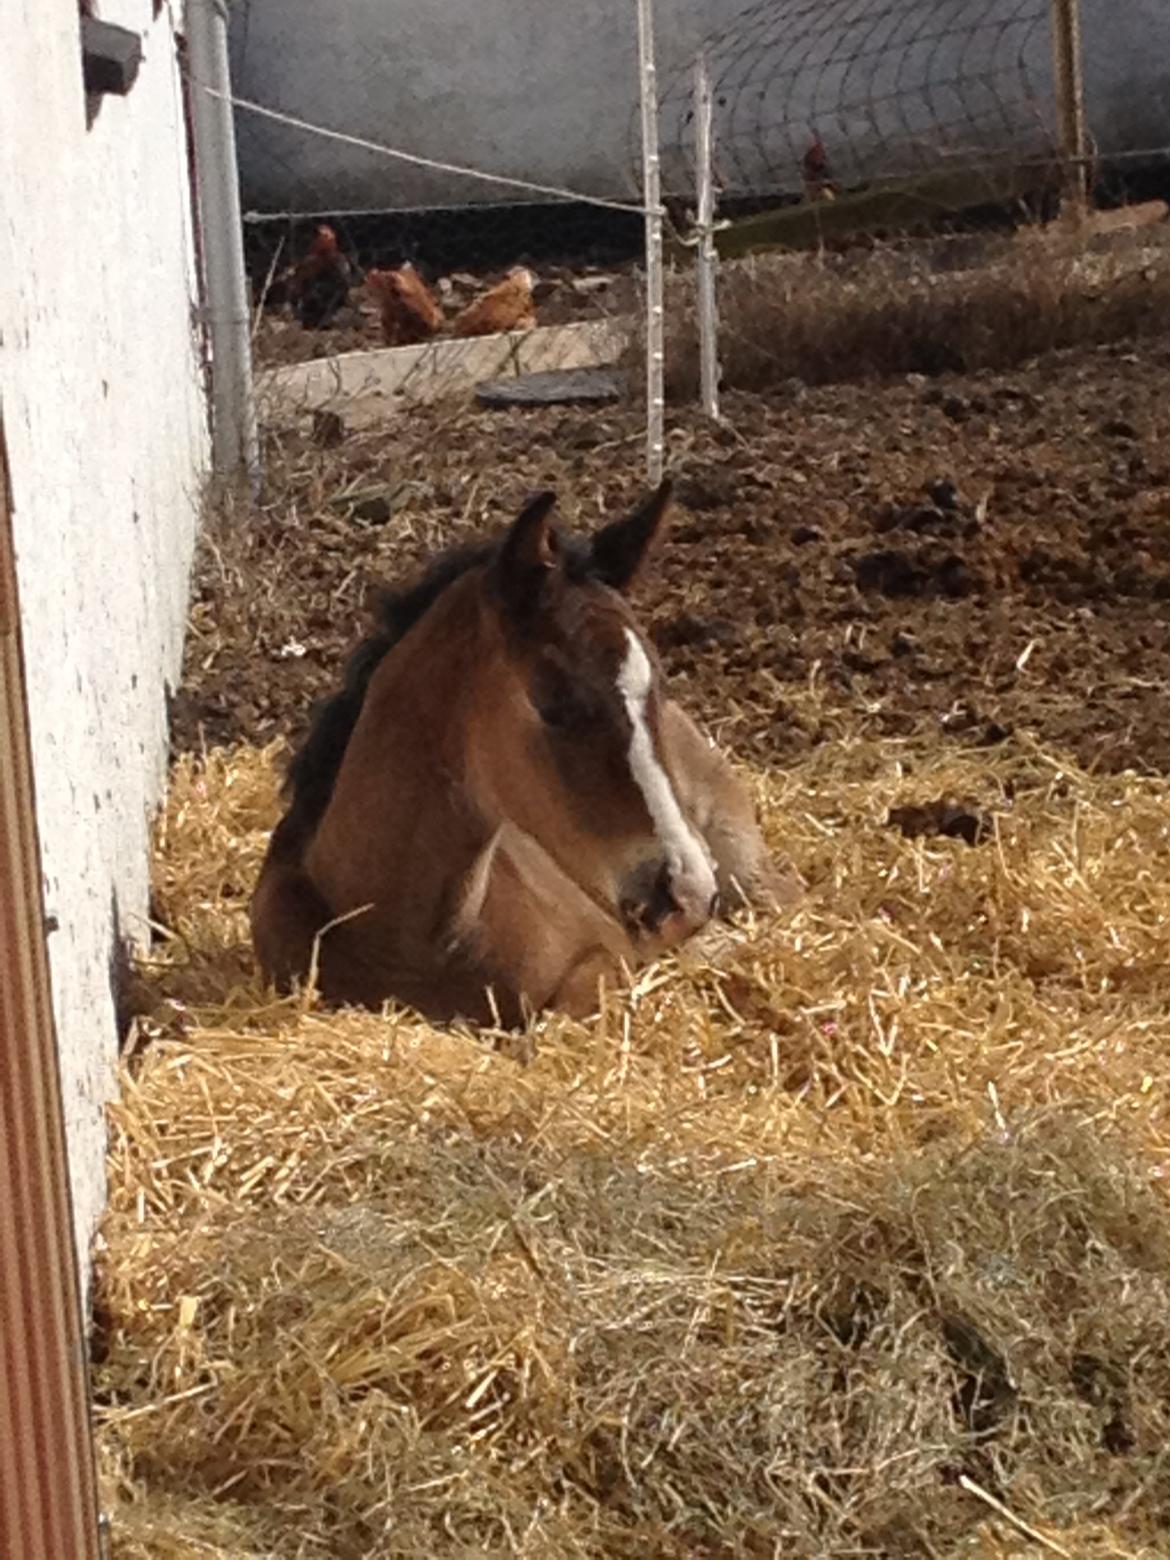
x=502 y=805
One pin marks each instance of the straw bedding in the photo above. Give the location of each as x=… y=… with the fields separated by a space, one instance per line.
x=841 y=1235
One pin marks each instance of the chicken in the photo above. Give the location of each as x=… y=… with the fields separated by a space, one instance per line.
x=319 y=285
x=410 y=313
x=509 y=305
x=818 y=177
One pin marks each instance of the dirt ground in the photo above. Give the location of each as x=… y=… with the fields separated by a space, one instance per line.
x=972 y=556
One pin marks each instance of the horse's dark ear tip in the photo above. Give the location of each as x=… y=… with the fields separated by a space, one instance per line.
x=537 y=505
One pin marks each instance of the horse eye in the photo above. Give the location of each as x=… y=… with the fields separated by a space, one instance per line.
x=560 y=705
x=560 y=716
x=562 y=700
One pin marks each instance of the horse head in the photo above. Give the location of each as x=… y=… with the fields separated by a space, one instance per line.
x=566 y=721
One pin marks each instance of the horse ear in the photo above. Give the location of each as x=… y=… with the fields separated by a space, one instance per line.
x=529 y=552
x=621 y=548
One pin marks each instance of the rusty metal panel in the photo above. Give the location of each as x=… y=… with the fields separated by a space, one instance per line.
x=48 y=1503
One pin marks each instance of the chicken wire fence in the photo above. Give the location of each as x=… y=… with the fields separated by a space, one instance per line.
x=815 y=94
x=568 y=283
x=461 y=314
x=822 y=120
x=804 y=130
x=514 y=270
x=805 y=122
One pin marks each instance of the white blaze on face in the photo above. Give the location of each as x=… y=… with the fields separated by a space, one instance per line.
x=692 y=877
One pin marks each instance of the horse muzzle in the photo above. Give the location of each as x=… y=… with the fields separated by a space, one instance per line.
x=667 y=909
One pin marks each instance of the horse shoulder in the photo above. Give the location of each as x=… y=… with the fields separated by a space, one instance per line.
x=531 y=933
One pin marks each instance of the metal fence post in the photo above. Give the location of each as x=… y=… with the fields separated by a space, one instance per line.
x=652 y=200
x=706 y=258
x=235 y=444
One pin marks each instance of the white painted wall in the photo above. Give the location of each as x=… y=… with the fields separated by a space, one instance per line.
x=103 y=412
x=547 y=89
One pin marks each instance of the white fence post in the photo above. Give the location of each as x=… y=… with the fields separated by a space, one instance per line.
x=235 y=445
x=707 y=260
x=652 y=201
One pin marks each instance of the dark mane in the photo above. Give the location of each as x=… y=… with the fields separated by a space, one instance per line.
x=314 y=767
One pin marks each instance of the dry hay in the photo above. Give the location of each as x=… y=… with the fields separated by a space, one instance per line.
x=816 y=1243
x=973 y=303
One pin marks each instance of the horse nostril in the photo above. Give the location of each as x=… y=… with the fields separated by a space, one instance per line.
x=651 y=904
x=714 y=906
x=662 y=903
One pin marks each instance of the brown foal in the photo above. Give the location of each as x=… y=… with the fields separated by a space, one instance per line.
x=502 y=806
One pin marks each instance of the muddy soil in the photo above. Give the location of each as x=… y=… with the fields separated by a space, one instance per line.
x=968 y=557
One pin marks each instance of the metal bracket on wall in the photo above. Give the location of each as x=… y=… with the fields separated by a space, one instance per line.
x=110 y=57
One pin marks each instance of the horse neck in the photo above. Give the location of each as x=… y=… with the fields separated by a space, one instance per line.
x=401 y=812
x=428 y=695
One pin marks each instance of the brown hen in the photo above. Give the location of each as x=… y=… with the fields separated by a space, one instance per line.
x=410 y=312
x=509 y=305
x=318 y=286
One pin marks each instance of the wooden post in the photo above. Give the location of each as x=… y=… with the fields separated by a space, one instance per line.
x=706 y=258
x=652 y=202
x=48 y=1502
x=1070 y=104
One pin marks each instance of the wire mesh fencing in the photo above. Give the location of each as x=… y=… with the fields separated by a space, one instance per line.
x=396 y=199
x=867 y=164
x=433 y=286
x=392 y=309
x=815 y=97
x=491 y=189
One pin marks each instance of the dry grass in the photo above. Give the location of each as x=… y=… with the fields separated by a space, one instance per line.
x=795 y=1237
x=905 y=310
